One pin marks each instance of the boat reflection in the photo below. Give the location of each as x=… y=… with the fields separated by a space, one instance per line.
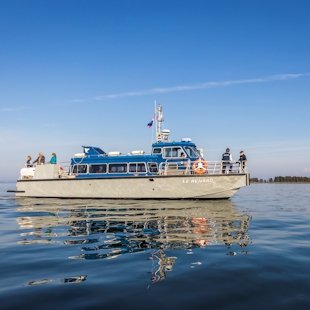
x=134 y=226
x=105 y=229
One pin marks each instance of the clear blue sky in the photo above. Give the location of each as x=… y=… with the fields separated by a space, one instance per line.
x=229 y=73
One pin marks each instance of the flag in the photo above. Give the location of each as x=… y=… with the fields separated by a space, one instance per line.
x=150 y=124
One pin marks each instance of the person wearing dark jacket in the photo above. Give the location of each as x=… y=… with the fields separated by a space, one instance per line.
x=242 y=162
x=226 y=160
x=28 y=163
x=40 y=160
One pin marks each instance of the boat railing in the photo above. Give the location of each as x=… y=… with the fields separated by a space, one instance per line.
x=64 y=170
x=172 y=167
x=200 y=166
x=179 y=167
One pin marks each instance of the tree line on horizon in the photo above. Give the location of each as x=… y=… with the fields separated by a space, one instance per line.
x=280 y=179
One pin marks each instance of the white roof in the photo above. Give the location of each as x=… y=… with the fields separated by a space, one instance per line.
x=114 y=153
x=137 y=152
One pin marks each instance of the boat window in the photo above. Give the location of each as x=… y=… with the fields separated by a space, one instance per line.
x=117 y=168
x=102 y=168
x=153 y=167
x=133 y=168
x=79 y=168
x=141 y=167
x=157 y=150
x=137 y=167
x=100 y=151
x=191 y=152
x=167 y=152
x=172 y=151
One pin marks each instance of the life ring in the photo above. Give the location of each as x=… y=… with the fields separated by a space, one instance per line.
x=200 y=166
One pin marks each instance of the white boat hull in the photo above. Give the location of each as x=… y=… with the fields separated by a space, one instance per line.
x=158 y=187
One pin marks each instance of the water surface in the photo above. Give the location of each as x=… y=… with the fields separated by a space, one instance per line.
x=251 y=251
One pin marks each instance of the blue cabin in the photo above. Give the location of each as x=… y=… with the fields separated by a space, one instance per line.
x=96 y=163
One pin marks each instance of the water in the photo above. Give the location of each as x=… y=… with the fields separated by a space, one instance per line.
x=250 y=252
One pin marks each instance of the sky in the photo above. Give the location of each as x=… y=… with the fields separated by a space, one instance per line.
x=228 y=73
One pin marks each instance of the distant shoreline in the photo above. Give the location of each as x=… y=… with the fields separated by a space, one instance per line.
x=282 y=179
x=251 y=182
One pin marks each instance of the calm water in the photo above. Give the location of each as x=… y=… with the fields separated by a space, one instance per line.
x=250 y=252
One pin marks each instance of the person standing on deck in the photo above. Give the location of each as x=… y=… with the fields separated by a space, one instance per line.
x=242 y=162
x=226 y=160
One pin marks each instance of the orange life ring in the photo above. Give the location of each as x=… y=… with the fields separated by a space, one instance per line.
x=202 y=166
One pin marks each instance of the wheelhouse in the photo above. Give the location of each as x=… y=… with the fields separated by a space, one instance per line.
x=171 y=150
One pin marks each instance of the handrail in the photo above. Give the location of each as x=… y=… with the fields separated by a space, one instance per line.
x=171 y=167
x=64 y=168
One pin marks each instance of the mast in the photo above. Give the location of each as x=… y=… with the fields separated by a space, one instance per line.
x=161 y=135
x=159 y=121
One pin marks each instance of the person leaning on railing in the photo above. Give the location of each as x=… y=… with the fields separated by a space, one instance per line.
x=242 y=161
x=53 y=159
x=40 y=160
x=28 y=163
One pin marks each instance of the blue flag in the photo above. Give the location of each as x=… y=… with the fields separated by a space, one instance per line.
x=150 y=124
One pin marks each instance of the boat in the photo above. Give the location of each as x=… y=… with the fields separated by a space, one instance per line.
x=173 y=170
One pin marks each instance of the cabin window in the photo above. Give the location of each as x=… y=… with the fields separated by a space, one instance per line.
x=153 y=168
x=102 y=168
x=191 y=152
x=133 y=168
x=137 y=167
x=79 y=169
x=167 y=152
x=117 y=168
x=157 y=150
x=141 y=167
x=172 y=152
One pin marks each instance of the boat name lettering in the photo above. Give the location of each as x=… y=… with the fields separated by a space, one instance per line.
x=198 y=181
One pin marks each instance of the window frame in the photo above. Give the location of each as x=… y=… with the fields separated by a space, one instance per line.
x=137 y=170
x=157 y=148
x=149 y=164
x=179 y=148
x=97 y=172
x=77 y=170
x=192 y=149
x=117 y=165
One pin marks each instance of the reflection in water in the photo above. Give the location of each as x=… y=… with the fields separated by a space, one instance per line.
x=161 y=264
x=105 y=229
x=65 y=280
